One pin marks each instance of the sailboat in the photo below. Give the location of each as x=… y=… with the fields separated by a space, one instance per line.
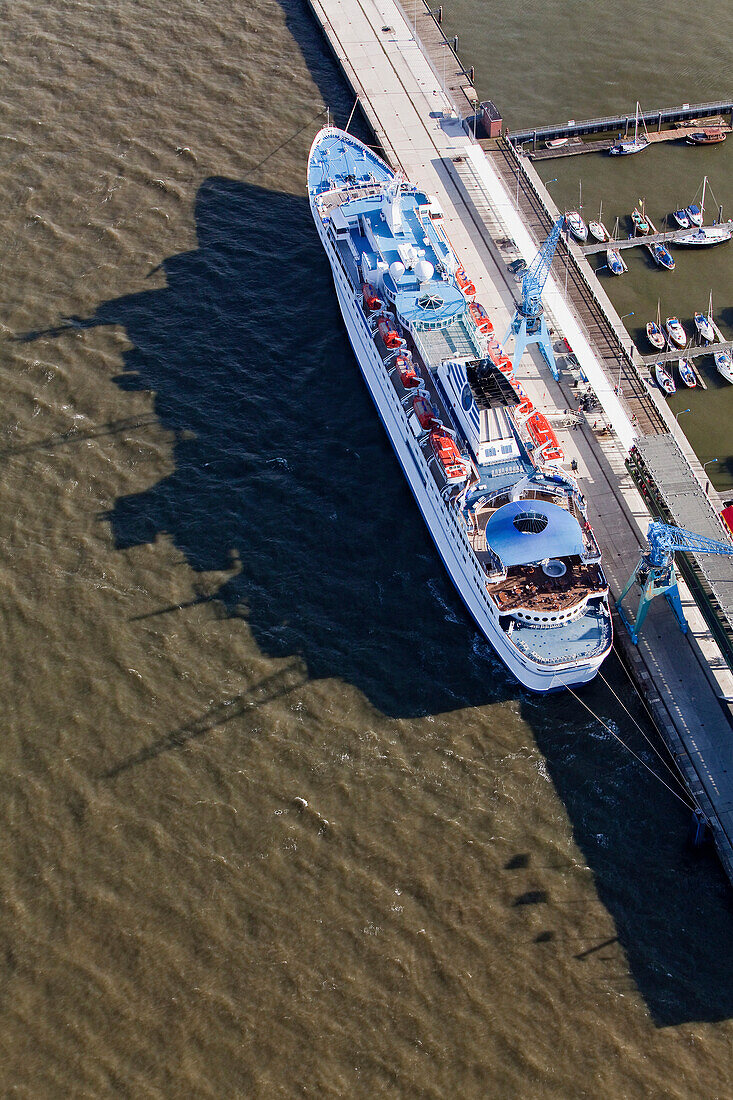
x=703 y=322
x=614 y=259
x=597 y=229
x=723 y=360
x=703 y=234
x=625 y=148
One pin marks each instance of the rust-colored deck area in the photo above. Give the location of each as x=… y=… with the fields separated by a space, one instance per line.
x=529 y=587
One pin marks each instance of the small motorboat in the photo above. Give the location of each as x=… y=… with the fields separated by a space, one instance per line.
x=409 y=375
x=655 y=336
x=724 y=364
x=455 y=468
x=665 y=381
x=687 y=374
x=615 y=264
x=642 y=225
x=705 y=235
x=662 y=255
x=480 y=318
x=464 y=283
x=424 y=411
x=598 y=231
x=694 y=213
x=682 y=218
x=556 y=143
x=576 y=225
x=391 y=336
x=703 y=326
x=548 y=449
x=675 y=332
x=372 y=301
x=712 y=136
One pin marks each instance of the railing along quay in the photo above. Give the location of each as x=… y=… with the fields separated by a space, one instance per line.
x=619 y=368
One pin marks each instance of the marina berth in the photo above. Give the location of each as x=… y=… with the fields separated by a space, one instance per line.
x=485 y=467
x=675 y=332
x=687 y=374
x=576 y=225
x=665 y=381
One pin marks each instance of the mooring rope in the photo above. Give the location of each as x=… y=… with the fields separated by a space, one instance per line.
x=629 y=749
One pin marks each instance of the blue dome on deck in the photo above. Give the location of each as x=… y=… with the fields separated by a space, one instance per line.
x=528 y=531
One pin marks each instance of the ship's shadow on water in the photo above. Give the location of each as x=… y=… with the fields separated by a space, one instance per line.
x=282 y=474
x=283 y=479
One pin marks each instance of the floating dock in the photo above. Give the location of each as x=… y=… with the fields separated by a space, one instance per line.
x=615 y=124
x=496 y=210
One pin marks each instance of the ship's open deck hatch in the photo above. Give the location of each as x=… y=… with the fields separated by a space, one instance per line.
x=490 y=388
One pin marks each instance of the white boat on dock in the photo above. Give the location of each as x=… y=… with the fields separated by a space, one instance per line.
x=598 y=231
x=576 y=225
x=624 y=148
x=724 y=364
x=675 y=332
x=687 y=373
x=615 y=262
x=665 y=381
x=655 y=336
x=703 y=326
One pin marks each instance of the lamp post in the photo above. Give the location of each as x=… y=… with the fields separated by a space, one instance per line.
x=620 y=361
x=682 y=412
x=704 y=465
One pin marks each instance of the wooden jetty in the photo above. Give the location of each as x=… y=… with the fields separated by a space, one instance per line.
x=692 y=351
x=576 y=146
x=686 y=113
x=649 y=238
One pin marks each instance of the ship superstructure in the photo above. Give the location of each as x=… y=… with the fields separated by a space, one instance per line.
x=486 y=469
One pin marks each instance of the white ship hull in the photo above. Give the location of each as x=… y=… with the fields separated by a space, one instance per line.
x=446 y=529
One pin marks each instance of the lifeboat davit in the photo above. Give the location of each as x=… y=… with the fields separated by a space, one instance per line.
x=424 y=411
x=409 y=377
x=548 y=449
x=464 y=283
x=454 y=467
x=391 y=336
x=480 y=318
x=524 y=409
x=372 y=301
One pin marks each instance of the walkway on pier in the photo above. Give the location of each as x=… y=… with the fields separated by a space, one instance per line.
x=651 y=238
x=615 y=123
x=404 y=101
x=690 y=352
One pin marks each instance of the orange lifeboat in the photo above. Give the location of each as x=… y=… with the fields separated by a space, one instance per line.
x=444 y=448
x=424 y=411
x=409 y=376
x=548 y=449
x=391 y=336
x=480 y=318
x=464 y=283
x=372 y=301
x=524 y=409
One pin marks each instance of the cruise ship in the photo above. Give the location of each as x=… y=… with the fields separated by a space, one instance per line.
x=485 y=467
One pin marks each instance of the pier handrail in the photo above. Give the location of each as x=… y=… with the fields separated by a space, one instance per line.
x=612 y=122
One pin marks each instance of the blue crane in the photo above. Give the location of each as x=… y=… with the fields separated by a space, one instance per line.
x=656 y=574
x=528 y=325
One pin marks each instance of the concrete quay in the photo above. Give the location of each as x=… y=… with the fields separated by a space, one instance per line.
x=684 y=679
